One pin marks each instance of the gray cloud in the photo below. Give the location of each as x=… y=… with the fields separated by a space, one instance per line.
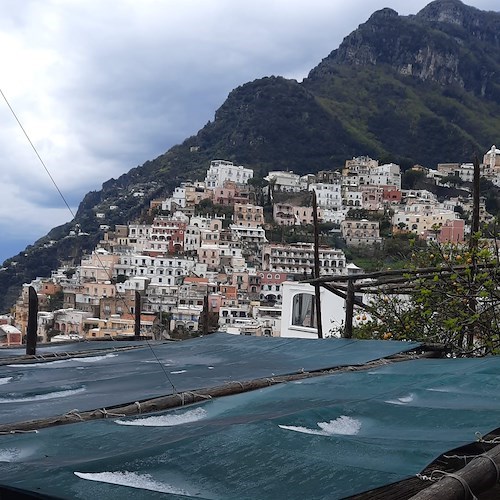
x=104 y=86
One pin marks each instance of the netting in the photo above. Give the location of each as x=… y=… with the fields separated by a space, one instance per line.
x=327 y=437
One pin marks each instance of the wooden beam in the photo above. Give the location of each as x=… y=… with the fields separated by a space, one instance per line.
x=357 y=302
x=395 y=272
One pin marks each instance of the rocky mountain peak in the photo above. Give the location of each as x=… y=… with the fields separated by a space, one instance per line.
x=447 y=11
x=433 y=45
x=385 y=13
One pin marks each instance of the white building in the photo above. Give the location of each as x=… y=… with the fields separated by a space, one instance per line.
x=228 y=315
x=206 y=222
x=299 y=259
x=385 y=175
x=221 y=171
x=327 y=195
x=192 y=238
x=177 y=200
x=416 y=196
x=135 y=283
x=249 y=234
x=138 y=236
x=269 y=317
x=298 y=317
x=335 y=216
x=162 y=270
x=352 y=197
x=185 y=318
x=285 y=181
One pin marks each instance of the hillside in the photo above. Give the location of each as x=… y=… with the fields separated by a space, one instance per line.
x=409 y=89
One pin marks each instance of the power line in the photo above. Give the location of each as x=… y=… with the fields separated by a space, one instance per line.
x=38 y=156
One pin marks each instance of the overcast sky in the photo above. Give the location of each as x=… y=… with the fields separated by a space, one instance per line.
x=101 y=86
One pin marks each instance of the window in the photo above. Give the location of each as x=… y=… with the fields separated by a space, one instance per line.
x=303 y=310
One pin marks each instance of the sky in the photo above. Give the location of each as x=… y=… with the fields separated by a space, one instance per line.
x=101 y=86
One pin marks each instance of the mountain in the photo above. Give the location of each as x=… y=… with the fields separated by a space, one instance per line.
x=412 y=89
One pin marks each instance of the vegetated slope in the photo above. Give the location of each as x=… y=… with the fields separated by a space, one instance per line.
x=410 y=89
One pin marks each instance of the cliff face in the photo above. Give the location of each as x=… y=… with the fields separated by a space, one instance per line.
x=447 y=42
x=409 y=89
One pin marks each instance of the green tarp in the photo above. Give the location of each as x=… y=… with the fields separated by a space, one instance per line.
x=326 y=437
x=31 y=391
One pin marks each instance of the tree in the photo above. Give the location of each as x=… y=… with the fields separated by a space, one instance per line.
x=56 y=301
x=454 y=180
x=457 y=305
x=412 y=179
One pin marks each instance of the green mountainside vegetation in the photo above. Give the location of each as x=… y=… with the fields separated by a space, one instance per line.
x=416 y=89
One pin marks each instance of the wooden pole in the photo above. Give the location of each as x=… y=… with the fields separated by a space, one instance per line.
x=473 y=241
x=31 y=332
x=204 y=318
x=349 y=310
x=137 y=329
x=475 y=201
x=479 y=475
x=317 y=287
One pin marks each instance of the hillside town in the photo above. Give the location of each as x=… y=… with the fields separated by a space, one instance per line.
x=206 y=252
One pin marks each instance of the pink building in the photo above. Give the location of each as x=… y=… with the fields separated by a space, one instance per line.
x=285 y=214
x=452 y=231
x=391 y=194
x=270 y=285
x=248 y=215
x=10 y=335
x=230 y=194
x=373 y=197
x=209 y=255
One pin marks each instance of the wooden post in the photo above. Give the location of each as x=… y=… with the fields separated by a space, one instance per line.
x=137 y=329
x=349 y=310
x=204 y=318
x=473 y=241
x=475 y=200
x=32 y=322
x=317 y=286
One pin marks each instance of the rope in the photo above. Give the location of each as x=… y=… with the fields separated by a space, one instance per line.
x=463 y=482
x=480 y=439
x=73 y=413
x=497 y=470
x=109 y=414
x=467 y=490
x=18 y=431
x=460 y=457
x=202 y=396
x=423 y=477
